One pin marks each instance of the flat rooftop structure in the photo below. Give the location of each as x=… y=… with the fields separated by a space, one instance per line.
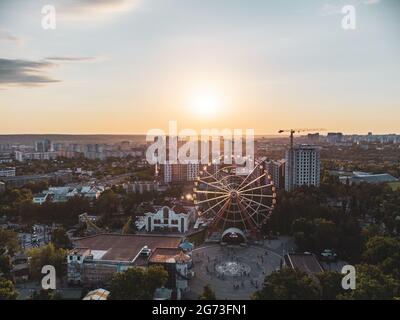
x=305 y=262
x=125 y=248
x=164 y=255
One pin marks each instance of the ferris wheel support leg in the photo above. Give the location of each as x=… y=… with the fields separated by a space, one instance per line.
x=218 y=217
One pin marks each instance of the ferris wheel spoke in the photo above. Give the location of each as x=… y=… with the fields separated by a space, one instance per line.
x=256 y=188
x=252 y=171
x=246 y=214
x=211 y=199
x=258 y=212
x=257 y=195
x=212 y=185
x=225 y=220
x=257 y=203
x=209 y=209
x=209 y=175
x=211 y=192
x=255 y=180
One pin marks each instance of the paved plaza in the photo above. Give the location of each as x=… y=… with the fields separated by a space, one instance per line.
x=233 y=272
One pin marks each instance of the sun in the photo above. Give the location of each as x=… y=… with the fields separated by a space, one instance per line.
x=206 y=103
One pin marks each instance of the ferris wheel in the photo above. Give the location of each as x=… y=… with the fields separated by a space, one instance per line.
x=226 y=199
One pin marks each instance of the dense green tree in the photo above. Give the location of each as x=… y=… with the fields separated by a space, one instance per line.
x=107 y=205
x=7 y=290
x=8 y=241
x=288 y=284
x=47 y=255
x=60 y=239
x=138 y=283
x=46 y=295
x=372 y=284
x=208 y=294
x=331 y=284
x=129 y=227
x=384 y=252
x=5 y=265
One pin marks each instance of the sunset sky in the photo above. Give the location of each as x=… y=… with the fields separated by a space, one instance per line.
x=128 y=66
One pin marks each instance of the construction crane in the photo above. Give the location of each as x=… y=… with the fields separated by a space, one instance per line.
x=293 y=131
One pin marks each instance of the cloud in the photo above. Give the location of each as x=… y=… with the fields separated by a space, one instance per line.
x=70 y=59
x=7 y=36
x=93 y=9
x=371 y=1
x=332 y=9
x=17 y=72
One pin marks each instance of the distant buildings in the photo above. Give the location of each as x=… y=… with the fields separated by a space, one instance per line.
x=181 y=173
x=313 y=138
x=6 y=157
x=177 y=219
x=20 y=181
x=276 y=168
x=142 y=186
x=43 y=146
x=48 y=150
x=178 y=173
x=334 y=137
x=303 y=166
x=22 y=156
x=356 y=177
x=7 y=172
x=62 y=194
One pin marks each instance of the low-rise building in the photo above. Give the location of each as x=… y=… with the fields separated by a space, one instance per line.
x=177 y=219
x=7 y=172
x=20 y=181
x=95 y=259
x=22 y=156
x=63 y=194
x=360 y=177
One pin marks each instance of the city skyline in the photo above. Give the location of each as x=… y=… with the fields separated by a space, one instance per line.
x=125 y=67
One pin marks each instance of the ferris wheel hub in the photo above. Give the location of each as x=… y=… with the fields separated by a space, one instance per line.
x=234 y=194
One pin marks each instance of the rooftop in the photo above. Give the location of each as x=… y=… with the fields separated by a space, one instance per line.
x=164 y=255
x=126 y=247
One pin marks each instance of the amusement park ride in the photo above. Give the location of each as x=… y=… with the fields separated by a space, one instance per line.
x=235 y=206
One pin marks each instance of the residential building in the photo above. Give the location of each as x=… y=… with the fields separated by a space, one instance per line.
x=43 y=146
x=22 y=156
x=142 y=186
x=276 y=169
x=334 y=137
x=303 y=166
x=7 y=172
x=20 y=181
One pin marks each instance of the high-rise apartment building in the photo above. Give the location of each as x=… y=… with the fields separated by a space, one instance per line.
x=276 y=169
x=303 y=166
